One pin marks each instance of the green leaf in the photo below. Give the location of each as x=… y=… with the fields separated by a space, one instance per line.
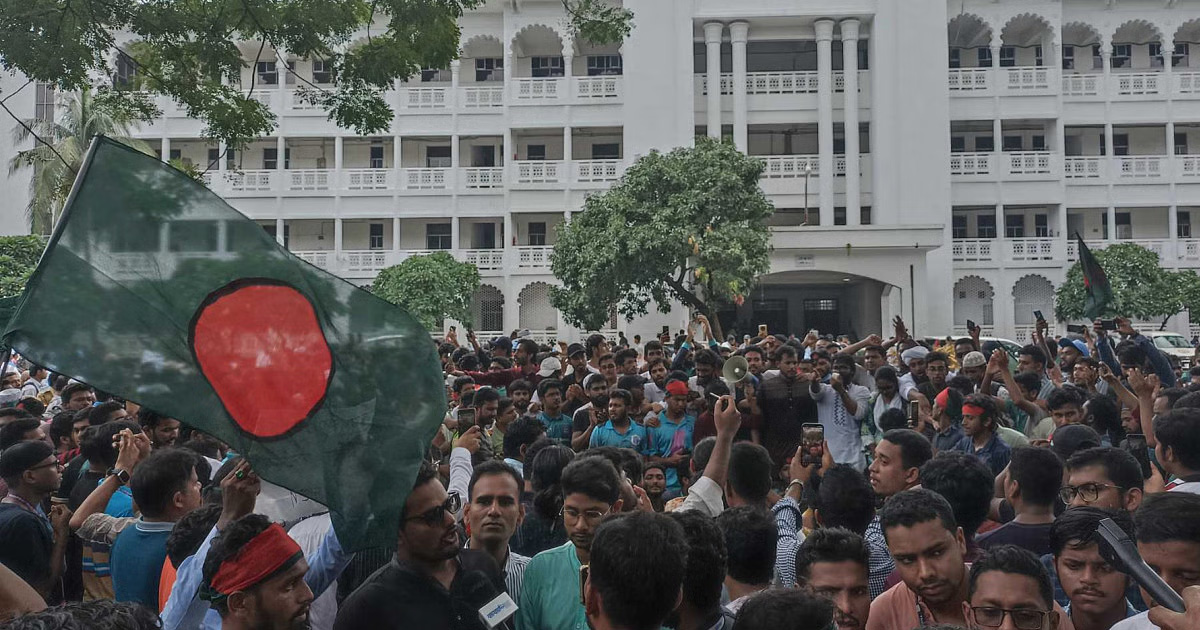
x=1142 y=289
x=431 y=287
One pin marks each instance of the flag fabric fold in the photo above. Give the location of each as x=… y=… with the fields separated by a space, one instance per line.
x=1095 y=282
x=154 y=289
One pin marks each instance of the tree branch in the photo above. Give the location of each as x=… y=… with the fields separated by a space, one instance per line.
x=686 y=295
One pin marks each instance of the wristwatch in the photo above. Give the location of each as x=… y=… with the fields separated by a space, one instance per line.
x=796 y=482
x=121 y=475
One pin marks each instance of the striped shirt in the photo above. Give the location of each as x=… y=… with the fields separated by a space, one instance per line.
x=514 y=573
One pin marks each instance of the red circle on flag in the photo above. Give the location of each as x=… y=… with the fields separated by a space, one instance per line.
x=261 y=347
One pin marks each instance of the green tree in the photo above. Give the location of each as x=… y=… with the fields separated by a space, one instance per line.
x=688 y=225
x=189 y=50
x=18 y=257
x=432 y=288
x=1142 y=289
x=81 y=116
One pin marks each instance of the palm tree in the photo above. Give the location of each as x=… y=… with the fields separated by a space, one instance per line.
x=81 y=116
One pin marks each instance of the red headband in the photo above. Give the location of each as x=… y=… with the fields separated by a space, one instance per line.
x=973 y=410
x=943 y=399
x=259 y=558
x=677 y=388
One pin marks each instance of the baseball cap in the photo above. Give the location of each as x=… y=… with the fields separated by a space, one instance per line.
x=501 y=342
x=22 y=456
x=1076 y=344
x=1072 y=438
x=575 y=349
x=974 y=359
x=550 y=365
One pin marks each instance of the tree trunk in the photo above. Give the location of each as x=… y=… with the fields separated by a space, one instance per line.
x=715 y=322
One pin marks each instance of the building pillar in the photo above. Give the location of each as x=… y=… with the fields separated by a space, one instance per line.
x=1170 y=146
x=510 y=236
x=454 y=233
x=1168 y=51
x=280 y=153
x=1173 y=232
x=281 y=73
x=337 y=238
x=280 y=232
x=397 y=159
x=712 y=43
x=568 y=55
x=850 y=116
x=568 y=147
x=338 y=159
x=1111 y=221
x=455 y=70
x=738 y=32
x=825 y=168
x=396 y=236
x=999 y=221
x=454 y=163
x=222 y=159
x=1106 y=64
x=165 y=149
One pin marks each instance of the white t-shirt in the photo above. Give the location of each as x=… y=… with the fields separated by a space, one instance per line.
x=1140 y=621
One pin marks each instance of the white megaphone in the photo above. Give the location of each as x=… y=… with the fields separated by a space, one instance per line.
x=736 y=369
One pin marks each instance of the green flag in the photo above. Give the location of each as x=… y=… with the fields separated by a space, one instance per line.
x=156 y=290
x=1095 y=282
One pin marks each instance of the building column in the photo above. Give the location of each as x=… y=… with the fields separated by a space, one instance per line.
x=712 y=43
x=999 y=221
x=338 y=161
x=337 y=238
x=850 y=115
x=1170 y=146
x=396 y=236
x=1173 y=231
x=1168 y=51
x=825 y=168
x=455 y=70
x=454 y=162
x=280 y=231
x=165 y=149
x=568 y=55
x=1108 y=151
x=568 y=154
x=222 y=159
x=397 y=159
x=454 y=233
x=282 y=73
x=280 y=153
x=1106 y=64
x=738 y=32
x=510 y=237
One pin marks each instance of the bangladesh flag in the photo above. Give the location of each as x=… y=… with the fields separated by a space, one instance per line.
x=1095 y=282
x=156 y=290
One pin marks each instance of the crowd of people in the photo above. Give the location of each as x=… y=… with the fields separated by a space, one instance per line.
x=884 y=484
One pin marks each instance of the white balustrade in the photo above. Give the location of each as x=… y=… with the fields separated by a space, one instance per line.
x=425 y=178
x=788 y=166
x=482 y=97
x=985 y=330
x=1081 y=85
x=533 y=256
x=485 y=259
x=803 y=82
x=296 y=101
x=601 y=87
x=1137 y=84
x=367 y=178
x=1189 y=166
x=207 y=178
x=1085 y=167
x=1027 y=78
x=425 y=97
x=371 y=260
x=1162 y=247
x=973 y=250
x=539 y=172
x=1187 y=84
x=1139 y=167
x=970 y=79
x=965 y=164
x=251 y=181
x=262 y=95
x=308 y=179
x=318 y=259
x=598 y=171
x=537 y=89
x=1025 y=249
x=1029 y=162
x=1189 y=249
x=483 y=177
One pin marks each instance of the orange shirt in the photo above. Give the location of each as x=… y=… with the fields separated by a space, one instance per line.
x=166 y=582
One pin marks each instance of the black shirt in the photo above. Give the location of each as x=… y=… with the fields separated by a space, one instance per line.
x=400 y=596
x=27 y=544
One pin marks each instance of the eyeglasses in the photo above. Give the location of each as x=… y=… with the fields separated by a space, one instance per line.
x=1022 y=619
x=591 y=516
x=47 y=465
x=434 y=516
x=1089 y=491
x=584 y=571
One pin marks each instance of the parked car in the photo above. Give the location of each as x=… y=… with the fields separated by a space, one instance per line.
x=1173 y=344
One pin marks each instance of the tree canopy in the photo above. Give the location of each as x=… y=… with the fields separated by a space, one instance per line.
x=1141 y=287
x=689 y=225
x=431 y=287
x=190 y=51
x=18 y=257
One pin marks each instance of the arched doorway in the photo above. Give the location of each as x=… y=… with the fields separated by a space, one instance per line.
x=973 y=297
x=487 y=309
x=830 y=302
x=535 y=311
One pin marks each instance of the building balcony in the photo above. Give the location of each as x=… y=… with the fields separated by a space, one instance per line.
x=765 y=83
x=528 y=259
x=1132 y=169
x=1014 y=165
x=1015 y=81
x=1056 y=252
x=1131 y=86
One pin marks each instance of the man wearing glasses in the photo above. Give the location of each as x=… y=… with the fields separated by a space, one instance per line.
x=1103 y=477
x=1008 y=588
x=34 y=544
x=550 y=591
x=432 y=582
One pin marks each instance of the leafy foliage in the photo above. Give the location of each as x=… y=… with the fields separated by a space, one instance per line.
x=1141 y=288
x=189 y=50
x=18 y=257
x=81 y=117
x=688 y=225
x=431 y=287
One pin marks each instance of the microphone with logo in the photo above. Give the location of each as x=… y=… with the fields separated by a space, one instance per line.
x=498 y=613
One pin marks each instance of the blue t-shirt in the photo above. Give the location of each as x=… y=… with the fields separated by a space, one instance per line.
x=557 y=429
x=634 y=437
x=665 y=439
x=137 y=561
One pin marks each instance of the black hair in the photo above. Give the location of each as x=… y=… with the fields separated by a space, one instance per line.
x=1119 y=465
x=912 y=507
x=1131 y=355
x=1104 y=415
x=149 y=418
x=936 y=356
x=1172 y=394
x=523 y=431
x=191 y=530
x=460 y=381
x=593 y=341
x=653 y=344
x=625 y=354
x=755 y=349
x=494 y=467
x=706 y=560
x=632 y=464
x=14 y=432
x=14 y=412
x=1189 y=400
x=623 y=394
x=485 y=395
x=876 y=349
x=593 y=477
x=1076 y=527
x=750 y=544
x=519 y=385
x=701 y=451
x=750 y=472
x=99 y=414
x=548 y=384
x=1168 y=517
x=785 y=609
x=62 y=426
x=227 y=544
x=637 y=564
x=631 y=382
x=1061 y=397
x=156 y=480
x=529 y=346
x=831 y=544
x=892 y=419
x=1179 y=430
x=503 y=362
x=915 y=448
x=1038 y=472
x=966 y=483
x=1035 y=354
x=988 y=405
x=98 y=614
x=1028 y=380
x=961 y=386
x=71 y=389
x=618 y=457
x=784 y=351
x=545 y=474
x=1014 y=560
x=96 y=443
x=845 y=499
x=32 y=405
x=819 y=354
x=886 y=373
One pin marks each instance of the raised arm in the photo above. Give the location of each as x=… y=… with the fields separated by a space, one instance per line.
x=132 y=449
x=871 y=340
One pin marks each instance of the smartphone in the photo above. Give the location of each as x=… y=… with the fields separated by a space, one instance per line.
x=1078 y=329
x=466 y=418
x=1038 y=316
x=762 y=330
x=812 y=438
x=970 y=325
x=1135 y=443
x=1108 y=324
x=914 y=413
x=666 y=330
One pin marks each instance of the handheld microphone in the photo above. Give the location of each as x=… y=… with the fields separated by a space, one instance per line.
x=497 y=611
x=1121 y=552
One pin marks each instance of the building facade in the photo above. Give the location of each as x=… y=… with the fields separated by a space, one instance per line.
x=927 y=158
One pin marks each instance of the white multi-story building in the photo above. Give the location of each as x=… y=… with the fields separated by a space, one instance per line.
x=983 y=134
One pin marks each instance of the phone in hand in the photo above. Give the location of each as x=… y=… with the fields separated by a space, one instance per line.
x=812 y=438
x=466 y=418
x=970 y=325
x=1078 y=329
x=1108 y=324
x=1135 y=444
x=762 y=330
x=1038 y=316
x=914 y=413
